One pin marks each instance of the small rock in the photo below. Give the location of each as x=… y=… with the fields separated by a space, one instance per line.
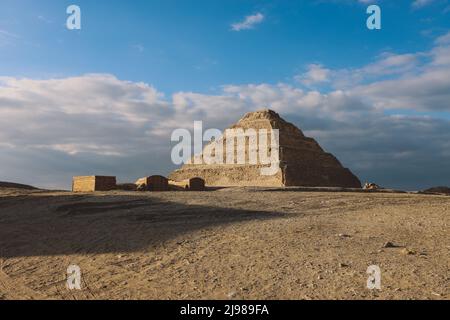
x=371 y=186
x=141 y=187
x=436 y=294
x=406 y=251
x=389 y=245
x=231 y=294
x=343 y=265
x=343 y=235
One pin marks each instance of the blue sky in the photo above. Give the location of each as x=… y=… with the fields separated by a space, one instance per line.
x=184 y=45
x=378 y=99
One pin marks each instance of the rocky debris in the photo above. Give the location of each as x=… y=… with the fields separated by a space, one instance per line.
x=141 y=187
x=371 y=186
x=343 y=235
x=389 y=245
x=302 y=161
x=407 y=252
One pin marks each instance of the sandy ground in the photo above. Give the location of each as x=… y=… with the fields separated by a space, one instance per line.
x=230 y=243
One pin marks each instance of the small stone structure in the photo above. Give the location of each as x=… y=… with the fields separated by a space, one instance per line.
x=153 y=183
x=196 y=184
x=93 y=183
x=193 y=184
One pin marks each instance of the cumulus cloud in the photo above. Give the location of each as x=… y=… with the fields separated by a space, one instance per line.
x=415 y=81
x=444 y=39
x=69 y=112
x=386 y=65
x=420 y=86
x=383 y=129
x=315 y=74
x=248 y=23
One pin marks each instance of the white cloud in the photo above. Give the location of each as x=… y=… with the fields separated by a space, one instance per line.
x=315 y=74
x=139 y=47
x=421 y=3
x=387 y=65
x=44 y=19
x=7 y=34
x=248 y=23
x=421 y=85
x=93 y=113
x=7 y=38
x=444 y=39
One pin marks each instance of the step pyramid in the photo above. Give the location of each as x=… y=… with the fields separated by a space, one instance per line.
x=302 y=162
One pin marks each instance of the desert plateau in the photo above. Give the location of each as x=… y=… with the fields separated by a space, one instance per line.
x=228 y=243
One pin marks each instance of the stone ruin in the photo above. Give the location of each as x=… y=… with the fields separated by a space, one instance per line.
x=153 y=183
x=302 y=161
x=93 y=183
x=193 y=184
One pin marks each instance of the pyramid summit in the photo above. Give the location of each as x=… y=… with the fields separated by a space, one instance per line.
x=302 y=162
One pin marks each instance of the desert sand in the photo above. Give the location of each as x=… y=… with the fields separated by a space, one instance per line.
x=234 y=243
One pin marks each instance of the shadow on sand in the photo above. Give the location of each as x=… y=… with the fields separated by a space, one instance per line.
x=72 y=224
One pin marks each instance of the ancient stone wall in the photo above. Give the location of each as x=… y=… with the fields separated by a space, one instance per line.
x=93 y=183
